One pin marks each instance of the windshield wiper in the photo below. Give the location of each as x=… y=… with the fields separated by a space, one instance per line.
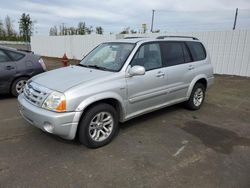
x=94 y=66
x=81 y=65
x=97 y=67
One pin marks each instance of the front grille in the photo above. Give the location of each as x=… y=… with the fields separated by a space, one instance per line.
x=35 y=94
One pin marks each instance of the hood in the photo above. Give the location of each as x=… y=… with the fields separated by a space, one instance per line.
x=63 y=79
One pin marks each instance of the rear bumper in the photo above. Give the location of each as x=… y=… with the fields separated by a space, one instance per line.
x=61 y=124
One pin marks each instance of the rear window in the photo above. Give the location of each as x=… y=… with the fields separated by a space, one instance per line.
x=15 y=56
x=197 y=50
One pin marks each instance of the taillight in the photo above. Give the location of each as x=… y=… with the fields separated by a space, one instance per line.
x=41 y=62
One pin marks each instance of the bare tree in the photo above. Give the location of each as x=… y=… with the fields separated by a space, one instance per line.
x=62 y=29
x=72 y=31
x=53 y=31
x=9 y=26
x=2 y=31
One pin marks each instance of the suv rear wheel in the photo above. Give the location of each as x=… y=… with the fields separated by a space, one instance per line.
x=197 y=97
x=17 y=86
x=98 y=126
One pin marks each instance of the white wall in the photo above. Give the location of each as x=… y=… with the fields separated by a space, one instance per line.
x=75 y=46
x=229 y=50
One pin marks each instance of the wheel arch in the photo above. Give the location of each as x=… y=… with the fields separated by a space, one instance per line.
x=110 y=98
x=198 y=79
x=15 y=78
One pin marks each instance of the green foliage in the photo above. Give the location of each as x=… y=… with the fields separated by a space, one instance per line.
x=99 y=30
x=7 y=32
x=2 y=31
x=81 y=28
x=25 y=26
x=89 y=30
x=125 y=30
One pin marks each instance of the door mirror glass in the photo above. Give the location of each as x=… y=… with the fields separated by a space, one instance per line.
x=136 y=70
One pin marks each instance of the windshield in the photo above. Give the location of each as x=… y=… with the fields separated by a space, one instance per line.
x=108 y=56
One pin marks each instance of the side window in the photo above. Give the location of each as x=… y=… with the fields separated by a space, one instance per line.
x=149 y=56
x=186 y=54
x=3 y=57
x=15 y=56
x=173 y=53
x=197 y=50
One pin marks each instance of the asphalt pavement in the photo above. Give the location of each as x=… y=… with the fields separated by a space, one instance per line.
x=172 y=147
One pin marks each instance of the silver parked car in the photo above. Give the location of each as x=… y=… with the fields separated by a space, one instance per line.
x=115 y=82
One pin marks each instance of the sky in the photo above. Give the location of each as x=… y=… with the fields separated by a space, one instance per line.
x=115 y=15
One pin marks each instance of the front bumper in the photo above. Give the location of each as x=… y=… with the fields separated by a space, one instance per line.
x=61 y=124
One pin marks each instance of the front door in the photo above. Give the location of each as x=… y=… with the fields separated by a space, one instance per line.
x=146 y=91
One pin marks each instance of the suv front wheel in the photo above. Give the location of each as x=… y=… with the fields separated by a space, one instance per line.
x=197 y=97
x=98 y=126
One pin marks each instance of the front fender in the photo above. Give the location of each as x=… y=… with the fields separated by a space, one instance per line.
x=102 y=96
x=198 y=77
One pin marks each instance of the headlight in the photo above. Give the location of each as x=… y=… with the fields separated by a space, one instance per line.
x=55 y=102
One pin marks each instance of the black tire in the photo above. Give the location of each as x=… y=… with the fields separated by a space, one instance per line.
x=84 y=126
x=190 y=104
x=13 y=88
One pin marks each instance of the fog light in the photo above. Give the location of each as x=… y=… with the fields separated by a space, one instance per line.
x=48 y=127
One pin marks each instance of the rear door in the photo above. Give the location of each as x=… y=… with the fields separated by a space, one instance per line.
x=199 y=55
x=7 y=71
x=146 y=91
x=178 y=62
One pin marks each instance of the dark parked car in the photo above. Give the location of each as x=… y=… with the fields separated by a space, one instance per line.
x=16 y=67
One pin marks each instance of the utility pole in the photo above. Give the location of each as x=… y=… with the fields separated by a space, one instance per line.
x=152 y=21
x=235 y=18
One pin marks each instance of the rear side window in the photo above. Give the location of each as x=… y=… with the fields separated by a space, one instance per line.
x=186 y=54
x=3 y=57
x=197 y=51
x=15 y=56
x=173 y=53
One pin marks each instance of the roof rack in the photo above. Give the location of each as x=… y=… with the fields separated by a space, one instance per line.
x=134 y=37
x=163 y=37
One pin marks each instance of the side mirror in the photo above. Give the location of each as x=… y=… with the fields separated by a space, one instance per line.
x=136 y=70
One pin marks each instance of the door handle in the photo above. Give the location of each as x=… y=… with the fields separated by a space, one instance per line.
x=9 y=67
x=190 y=67
x=160 y=74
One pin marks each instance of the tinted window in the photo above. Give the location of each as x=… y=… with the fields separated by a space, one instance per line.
x=186 y=54
x=197 y=50
x=173 y=53
x=15 y=56
x=3 y=57
x=149 y=56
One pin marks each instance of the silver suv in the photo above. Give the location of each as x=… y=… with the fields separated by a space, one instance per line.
x=115 y=82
